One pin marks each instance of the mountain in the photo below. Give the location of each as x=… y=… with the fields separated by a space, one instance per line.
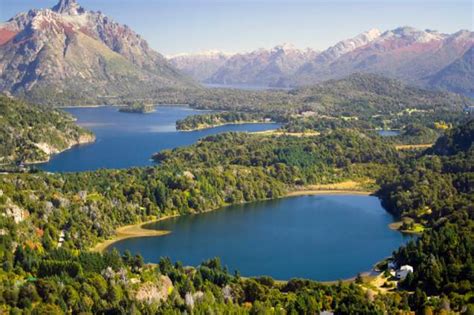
x=457 y=76
x=30 y=133
x=404 y=53
x=199 y=66
x=346 y=46
x=67 y=52
x=415 y=56
x=259 y=67
x=263 y=66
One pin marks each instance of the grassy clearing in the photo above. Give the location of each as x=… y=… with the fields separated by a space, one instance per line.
x=284 y=133
x=415 y=228
x=413 y=146
x=381 y=284
x=346 y=187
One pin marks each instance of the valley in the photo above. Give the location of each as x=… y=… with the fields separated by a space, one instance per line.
x=281 y=180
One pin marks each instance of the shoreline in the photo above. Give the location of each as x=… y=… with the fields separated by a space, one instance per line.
x=132 y=231
x=138 y=229
x=396 y=226
x=225 y=124
x=313 y=192
x=90 y=139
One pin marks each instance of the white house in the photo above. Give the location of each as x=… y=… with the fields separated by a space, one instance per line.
x=61 y=238
x=403 y=272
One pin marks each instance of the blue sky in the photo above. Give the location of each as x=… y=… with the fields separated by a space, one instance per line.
x=175 y=26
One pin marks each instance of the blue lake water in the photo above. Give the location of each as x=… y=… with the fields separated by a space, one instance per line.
x=324 y=238
x=388 y=133
x=126 y=140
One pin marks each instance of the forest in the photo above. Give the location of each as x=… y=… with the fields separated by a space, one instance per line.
x=52 y=219
x=32 y=133
x=196 y=122
x=360 y=101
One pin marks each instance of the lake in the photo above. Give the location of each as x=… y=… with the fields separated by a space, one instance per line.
x=388 y=133
x=126 y=140
x=324 y=237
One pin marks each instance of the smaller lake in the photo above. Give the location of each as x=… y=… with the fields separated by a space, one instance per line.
x=327 y=237
x=126 y=140
x=388 y=133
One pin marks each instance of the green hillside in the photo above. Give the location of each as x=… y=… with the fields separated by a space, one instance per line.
x=30 y=133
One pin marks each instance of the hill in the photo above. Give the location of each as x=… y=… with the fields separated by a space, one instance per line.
x=30 y=133
x=357 y=94
x=457 y=76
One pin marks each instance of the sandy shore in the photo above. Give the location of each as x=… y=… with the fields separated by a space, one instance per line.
x=396 y=226
x=348 y=187
x=138 y=230
x=131 y=231
x=328 y=192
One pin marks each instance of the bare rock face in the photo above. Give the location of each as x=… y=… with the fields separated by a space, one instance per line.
x=152 y=293
x=69 y=52
x=10 y=209
x=348 y=45
x=199 y=66
x=68 y=7
x=404 y=53
x=413 y=55
x=264 y=67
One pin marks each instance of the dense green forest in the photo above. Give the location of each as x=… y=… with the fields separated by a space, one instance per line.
x=361 y=94
x=437 y=189
x=50 y=219
x=361 y=101
x=31 y=133
x=195 y=122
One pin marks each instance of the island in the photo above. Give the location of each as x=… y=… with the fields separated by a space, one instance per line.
x=138 y=108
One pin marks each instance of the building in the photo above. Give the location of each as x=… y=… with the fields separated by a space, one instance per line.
x=469 y=110
x=403 y=272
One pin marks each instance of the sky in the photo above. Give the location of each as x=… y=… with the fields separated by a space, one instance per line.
x=179 y=26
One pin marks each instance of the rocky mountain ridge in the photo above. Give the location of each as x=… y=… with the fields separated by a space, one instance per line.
x=406 y=53
x=78 y=54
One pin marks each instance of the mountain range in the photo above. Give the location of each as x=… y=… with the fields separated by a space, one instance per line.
x=423 y=57
x=71 y=56
x=71 y=53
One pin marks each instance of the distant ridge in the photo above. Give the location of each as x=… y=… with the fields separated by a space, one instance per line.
x=406 y=53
